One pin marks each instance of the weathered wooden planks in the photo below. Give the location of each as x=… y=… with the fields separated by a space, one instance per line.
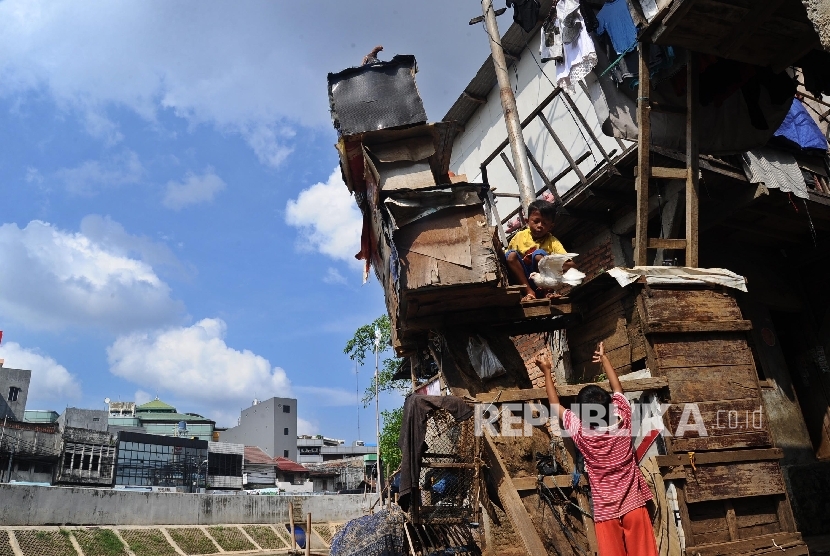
x=567 y=390
x=690 y=305
x=736 y=480
x=702 y=350
x=689 y=384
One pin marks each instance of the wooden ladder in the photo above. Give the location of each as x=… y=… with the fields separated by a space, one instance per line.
x=642 y=243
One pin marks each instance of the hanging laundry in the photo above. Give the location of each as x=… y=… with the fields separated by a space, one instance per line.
x=649 y=9
x=525 y=13
x=589 y=18
x=552 y=48
x=816 y=69
x=775 y=169
x=615 y=19
x=579 y=54
x=799 y=130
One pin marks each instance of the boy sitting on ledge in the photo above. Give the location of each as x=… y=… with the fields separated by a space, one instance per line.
x=532 y=243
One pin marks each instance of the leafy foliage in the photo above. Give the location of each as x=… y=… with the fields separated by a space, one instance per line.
x=390 y=454
x=362 y=345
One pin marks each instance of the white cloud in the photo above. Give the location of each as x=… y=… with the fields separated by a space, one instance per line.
x=51 y=279
x=333 y=276
x=33 y=175
x=325 y=396
x=194 y=363
x=141 y=397
x=268 y=143
x=193 y=189
x=327 y=218
x=307 y=427
x=92 y=175
x=112 y=237
x=51 y=382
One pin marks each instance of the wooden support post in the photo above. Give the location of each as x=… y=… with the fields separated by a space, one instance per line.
x=692 y=161
x=542 y=175
x=291 y=525
x=643 y=158
x=587 y=128
x=308 y=534
x=562 y=148
x=512 y=502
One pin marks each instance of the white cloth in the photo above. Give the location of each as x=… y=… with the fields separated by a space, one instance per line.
x=679 y=275
x=775 y=169
x=649 y=9
x=580 y=55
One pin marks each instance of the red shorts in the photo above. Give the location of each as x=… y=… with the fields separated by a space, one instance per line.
x=629 y=535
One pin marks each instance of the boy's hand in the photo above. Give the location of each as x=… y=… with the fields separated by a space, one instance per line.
x=599 y=353
x=543 y=362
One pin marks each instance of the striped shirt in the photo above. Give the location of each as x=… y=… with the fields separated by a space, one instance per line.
x=617 y=485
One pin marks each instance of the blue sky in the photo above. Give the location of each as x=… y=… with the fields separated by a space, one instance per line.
x=172 y=221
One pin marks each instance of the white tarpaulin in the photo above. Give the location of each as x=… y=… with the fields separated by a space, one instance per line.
x=679 y=275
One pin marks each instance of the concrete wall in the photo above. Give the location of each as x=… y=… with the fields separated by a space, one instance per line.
x=35 y=506
x=17 y=378
x=90 y=419
x=264 y=425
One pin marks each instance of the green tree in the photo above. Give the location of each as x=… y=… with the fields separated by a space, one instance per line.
x=390 y=454
x=362 y=345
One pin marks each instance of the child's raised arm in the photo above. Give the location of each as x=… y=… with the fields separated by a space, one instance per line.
x=544 y=363
x=607 y=368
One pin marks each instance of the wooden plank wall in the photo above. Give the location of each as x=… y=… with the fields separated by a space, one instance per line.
x=712 y=376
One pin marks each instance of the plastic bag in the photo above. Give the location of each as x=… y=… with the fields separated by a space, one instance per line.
x=484 y=361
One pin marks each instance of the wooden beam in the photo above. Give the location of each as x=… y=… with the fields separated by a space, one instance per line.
x=512 y=502
x=661 y=243
x=680 y=327
x=569 y=390
x=562 y=481
x=692 y=160
x=664 y=172
x=477 y=100
x=756 y=15
x=541 y=172
x=783 y=540
x=643 y=156
x=675 y=15
x=731 y=456
x=563 y=149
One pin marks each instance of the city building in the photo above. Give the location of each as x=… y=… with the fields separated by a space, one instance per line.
x=149 y=460
x=14 y=389
x=318 y=449
x=260 y=469
x=40 y=416
x=158 y=417
x=271 y=425
x=225 y=466
x=28 y=451
x=87 y=457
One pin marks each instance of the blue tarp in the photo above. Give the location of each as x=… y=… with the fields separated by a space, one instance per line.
x=800 y=129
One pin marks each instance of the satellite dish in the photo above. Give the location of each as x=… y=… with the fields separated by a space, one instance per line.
x=106 y=400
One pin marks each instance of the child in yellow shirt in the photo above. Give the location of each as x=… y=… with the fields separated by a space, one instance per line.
x=532 y=243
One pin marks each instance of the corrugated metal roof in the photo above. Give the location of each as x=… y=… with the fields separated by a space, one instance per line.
x=255 y=454
x=285 y=464
x=513 y=42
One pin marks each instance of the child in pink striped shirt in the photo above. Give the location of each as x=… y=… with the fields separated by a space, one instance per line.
x=600 y=427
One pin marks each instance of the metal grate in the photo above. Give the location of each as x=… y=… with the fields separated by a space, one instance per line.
x=449 y=476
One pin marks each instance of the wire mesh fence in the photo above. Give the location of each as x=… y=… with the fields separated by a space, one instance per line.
x=449 y=471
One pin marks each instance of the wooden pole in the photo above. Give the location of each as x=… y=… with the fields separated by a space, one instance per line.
x=643 y=158
x=692 y=161
x=291 y=524
x=308 y=534
x=508 y=105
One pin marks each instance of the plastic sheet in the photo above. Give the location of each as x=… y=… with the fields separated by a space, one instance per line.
x=484 y=361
